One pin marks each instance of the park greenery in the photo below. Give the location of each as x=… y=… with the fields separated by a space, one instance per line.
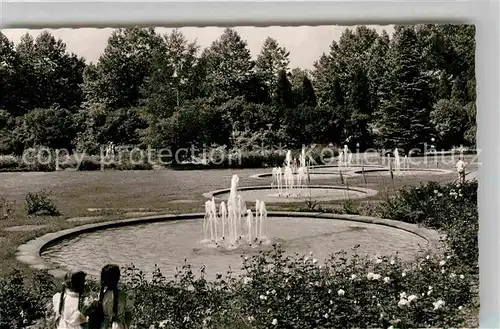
x=277 y=290
x=162 y=91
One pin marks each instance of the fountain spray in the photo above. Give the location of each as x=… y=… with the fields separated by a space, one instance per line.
x=231 y=217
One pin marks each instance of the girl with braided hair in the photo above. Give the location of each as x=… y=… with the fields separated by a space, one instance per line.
x=67 y=304
x=116 y=305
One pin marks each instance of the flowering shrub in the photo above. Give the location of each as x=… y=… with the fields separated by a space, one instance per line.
x=23 y=301
x=187 y=302
x=451 y=208
x=278 y=291
x=431 y=204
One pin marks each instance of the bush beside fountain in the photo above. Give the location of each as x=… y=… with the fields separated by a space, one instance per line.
x=295 y=292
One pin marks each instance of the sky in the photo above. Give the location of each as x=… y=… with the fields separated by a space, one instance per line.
x=305 y=43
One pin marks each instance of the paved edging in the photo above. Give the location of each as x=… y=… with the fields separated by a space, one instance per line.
x=368 y=192
x=30 y=252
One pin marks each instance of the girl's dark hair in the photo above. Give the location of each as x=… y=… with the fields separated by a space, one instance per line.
x=110 y=276
x=61 y=301
x=74 y=281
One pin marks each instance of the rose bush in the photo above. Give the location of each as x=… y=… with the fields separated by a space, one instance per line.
x=24 y=300
x=278 y=291
x=450 y=208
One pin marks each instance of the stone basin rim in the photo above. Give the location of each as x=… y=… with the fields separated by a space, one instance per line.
x=368 y=192
x=30 y=252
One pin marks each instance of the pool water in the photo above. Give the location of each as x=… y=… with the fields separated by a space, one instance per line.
x=168 y=244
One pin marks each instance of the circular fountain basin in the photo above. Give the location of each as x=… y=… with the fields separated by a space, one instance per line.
x=315 y=192
x=168 y=243
x=404 y=171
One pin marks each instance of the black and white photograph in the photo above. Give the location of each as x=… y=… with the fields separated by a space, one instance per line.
x=242 y=177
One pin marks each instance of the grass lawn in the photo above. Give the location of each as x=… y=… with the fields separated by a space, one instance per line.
x=165 y=191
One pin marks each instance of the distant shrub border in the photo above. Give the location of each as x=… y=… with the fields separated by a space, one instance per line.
x=44 y=159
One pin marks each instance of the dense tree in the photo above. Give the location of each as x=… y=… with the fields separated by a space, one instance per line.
x=272 y=59
x=257 y=117
x=182 y=56
x=346 y=81
x=308 y=96
x=443 y=88
x=7 y=124
x=243 y=115
x=470 y=133
x=59 y=74
x=296 y=78
x=331 y=96
x=38 y=74
x=172 y=78
x=359 y=106
x=90 y=123
x=52 y=128
x=405 y=109
x=228 y=66
x=376 y=66
x=283 y=94
x=306 y=125
x=160 y=90
x=193 y=126
x=447 y=51
x=8 y=76
x=118 y=76
x=27 y=80
x=324 y=79
x=123 y=126
x=256 y=91
x=353 y=51
x=450 y=120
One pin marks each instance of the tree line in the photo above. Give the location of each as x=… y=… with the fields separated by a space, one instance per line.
x=369 y=90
